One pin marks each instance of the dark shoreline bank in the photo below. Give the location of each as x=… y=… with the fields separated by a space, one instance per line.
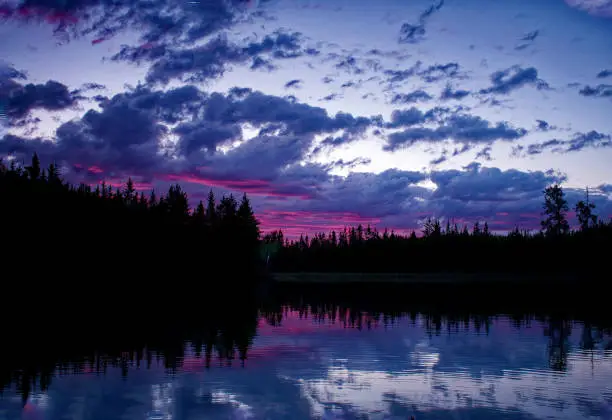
x=423 y=279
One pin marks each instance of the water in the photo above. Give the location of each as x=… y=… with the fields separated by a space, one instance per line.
x=343 y=365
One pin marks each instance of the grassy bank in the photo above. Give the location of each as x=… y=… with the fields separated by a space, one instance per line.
x=412 y=278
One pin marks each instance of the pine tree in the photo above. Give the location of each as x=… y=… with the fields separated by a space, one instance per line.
x=211 y=208
x=199 y=215
x=247 y=219
x=34 y=169
x=152 y=199
x=130 y=191
x=555 y=209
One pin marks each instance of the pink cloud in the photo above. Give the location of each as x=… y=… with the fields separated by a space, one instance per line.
x=50 y=16
x=250 y=186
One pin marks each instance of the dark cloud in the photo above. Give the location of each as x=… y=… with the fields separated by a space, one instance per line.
x=450 y=93
x=412 y=97
x=477 y=183
x=484 y=153
x=437 y=72
x=341 y=163
x=443 y=158
x=211 y=60
x=134 y=131
x=414 y=116
x=163 y=21
x=295 y=83
x=457 y=127
x=412 y=33
x=351 y=63
x=18 y=100
x=527 y=40
x=604 y=73
x=330 y=97
x=578 y=142
x=600 y=91
x=429 y=74
x=505 y=81
x=196 y=136
x=530 y=36
x=542 y=125
x=8 y=72
x=175 y=136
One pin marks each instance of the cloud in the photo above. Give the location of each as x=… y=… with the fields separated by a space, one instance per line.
x=429 y=74
x=295 y=83
x=580 y=141
x=449 y=93
x=543 y=125
x=412 y=97
x=304 y=198
x=413 y=33
x=457 y=127
x=211 y=60
x=604 y=73
x=164 y=21
x=7 y=72
x=594 y=7
x=18 y=100
x=144 y=130
x=530 y=36
x=599 y=91
x=505 y=81
x=527 y=40
x=199 y=139
x=351 y=63
x=484 y=153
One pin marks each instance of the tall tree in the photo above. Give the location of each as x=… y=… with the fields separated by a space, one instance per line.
x=211 y=207
x=34 y=168
x=177 y=203
x=555 y=211
x=247 y=219
x=199 y=214
x=130 y=191
x=584 y=213
x=227 y=209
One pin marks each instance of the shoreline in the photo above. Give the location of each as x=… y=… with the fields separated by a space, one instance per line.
x=453 y=279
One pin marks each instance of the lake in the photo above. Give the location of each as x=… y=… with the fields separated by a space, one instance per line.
x=326 y=361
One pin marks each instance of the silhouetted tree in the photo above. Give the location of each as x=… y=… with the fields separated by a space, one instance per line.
x=58 y=222
x=130 y=191
x=555 y=210
x=211 y=208
x=584 y=213
x=34 y=168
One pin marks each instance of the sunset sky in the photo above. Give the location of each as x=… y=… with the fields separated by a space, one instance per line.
x=327 y=113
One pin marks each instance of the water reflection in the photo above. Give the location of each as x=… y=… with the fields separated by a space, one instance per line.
x=327 y=361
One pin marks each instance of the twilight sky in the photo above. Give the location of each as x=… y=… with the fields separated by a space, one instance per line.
x=327 y=112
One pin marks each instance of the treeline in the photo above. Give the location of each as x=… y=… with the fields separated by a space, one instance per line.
x=447 y=247
x=50 y=226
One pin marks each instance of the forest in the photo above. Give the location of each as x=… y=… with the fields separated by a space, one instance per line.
x=449 y=248
x=98 y=232
x=91 y=233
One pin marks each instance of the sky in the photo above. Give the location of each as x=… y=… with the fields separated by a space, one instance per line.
x=327 y=113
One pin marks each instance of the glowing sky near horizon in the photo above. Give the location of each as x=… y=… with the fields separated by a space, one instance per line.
x=327 y=113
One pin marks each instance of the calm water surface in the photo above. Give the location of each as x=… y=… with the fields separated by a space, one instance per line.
x=301 y=366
